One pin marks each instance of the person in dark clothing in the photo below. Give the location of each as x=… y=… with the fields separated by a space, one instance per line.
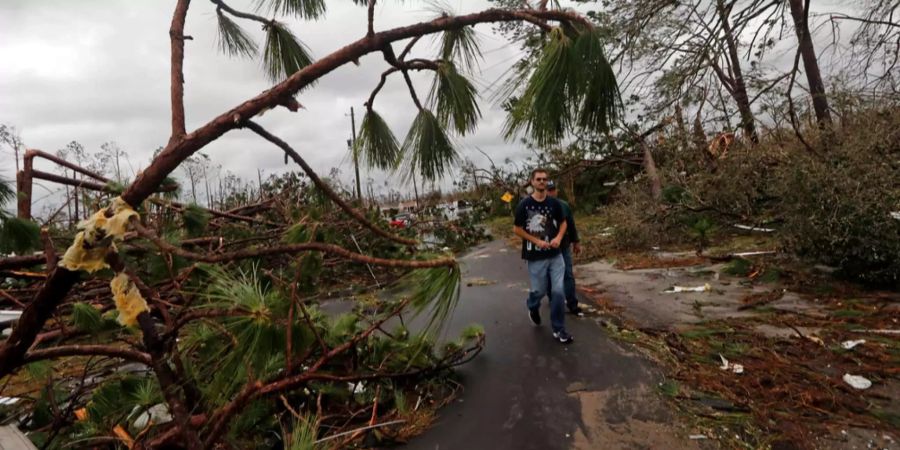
x=540 y=222
x=570 y=243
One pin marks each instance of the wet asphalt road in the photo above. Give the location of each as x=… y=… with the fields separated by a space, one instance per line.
x=519 y=390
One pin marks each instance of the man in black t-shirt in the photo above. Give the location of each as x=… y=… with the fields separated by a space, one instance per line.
x=541 y=224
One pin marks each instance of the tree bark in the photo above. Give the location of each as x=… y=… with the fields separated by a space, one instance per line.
x=24 y=183
x=800 y=13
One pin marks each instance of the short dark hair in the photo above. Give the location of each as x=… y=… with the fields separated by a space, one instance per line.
x=537 y=171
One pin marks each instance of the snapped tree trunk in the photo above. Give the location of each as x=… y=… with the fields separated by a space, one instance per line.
x=800 y=13
x=652 y=174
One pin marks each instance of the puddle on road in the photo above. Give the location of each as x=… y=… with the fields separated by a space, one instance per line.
x=626 y=418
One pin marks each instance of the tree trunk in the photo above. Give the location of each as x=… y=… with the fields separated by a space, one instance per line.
x=355 y=155
x=24 y=183
x=800 y=13
x=652 y=174
x=738 y=87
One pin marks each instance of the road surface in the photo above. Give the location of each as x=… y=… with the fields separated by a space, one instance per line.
x=527 y=391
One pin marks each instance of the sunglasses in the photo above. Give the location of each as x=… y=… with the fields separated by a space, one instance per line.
x=540 y=179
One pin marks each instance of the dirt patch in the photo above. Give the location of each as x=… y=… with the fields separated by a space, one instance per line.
x=786 y=332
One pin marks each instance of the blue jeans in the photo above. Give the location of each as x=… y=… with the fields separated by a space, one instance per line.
x=569 y=279
x=544 y=274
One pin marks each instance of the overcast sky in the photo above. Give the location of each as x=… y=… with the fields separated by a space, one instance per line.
x=98 y=70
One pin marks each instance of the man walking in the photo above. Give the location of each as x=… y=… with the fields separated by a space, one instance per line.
x=565 y=250
x=541 y=224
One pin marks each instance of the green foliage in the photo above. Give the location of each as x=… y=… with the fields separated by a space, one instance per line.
x=738 y=267
x=377 y=144
x=233 y=40
x=39 y=370
x=838 y=208
x=454 y=98
x=195 y=219
x=115 y=187
x=305 y=9
x=429 y=149
x=86 y=318
x=283 y=54
x=572 y=85
x=252 y=343
x=18 y=235
x=437 y=288
x=7 y=193
x=302 y=435
x=113 y=401
x=460 y=45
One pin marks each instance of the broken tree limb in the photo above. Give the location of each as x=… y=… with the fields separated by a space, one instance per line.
x=324 y=187
x=289 y=249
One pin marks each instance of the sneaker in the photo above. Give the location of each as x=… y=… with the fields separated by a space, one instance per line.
x=563 y=337
x=535 y=316
x=576 y=311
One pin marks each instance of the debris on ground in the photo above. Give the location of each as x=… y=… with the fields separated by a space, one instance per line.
x=848 y=345
x=676 y=289
x=858 y=382
x=728 y=365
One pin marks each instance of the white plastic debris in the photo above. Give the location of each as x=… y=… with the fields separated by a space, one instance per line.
x=848 y=345
x=858 y=382
x=895 y=215
x=756 y=253
x=697 y=437
x=728 y=365
x=749 y=228
x=8 y=400
x=816 y=339
x=676 y=289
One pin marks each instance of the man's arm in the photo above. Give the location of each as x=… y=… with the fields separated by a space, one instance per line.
x=557 y=241
x=520 y=232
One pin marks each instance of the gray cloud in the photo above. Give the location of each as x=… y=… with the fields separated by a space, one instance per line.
x=97 y=71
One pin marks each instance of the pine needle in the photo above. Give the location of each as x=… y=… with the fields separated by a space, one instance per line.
x=232 y=39
x=304 y=9
x=455 y=99
x=377 y=146
x=283 y=54
x=428 y=147
x=461 y=46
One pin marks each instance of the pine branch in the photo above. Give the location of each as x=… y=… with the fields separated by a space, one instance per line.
x=324 y=187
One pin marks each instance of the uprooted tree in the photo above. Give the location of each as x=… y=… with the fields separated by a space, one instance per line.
x=229 y=344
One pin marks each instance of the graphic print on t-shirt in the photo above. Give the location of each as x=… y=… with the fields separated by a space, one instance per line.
x=539 y=219
x=542 y=220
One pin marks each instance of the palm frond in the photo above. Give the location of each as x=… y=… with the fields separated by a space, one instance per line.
x=461 y=46
x=7 y=193
x=429 y=149
x=437 y=289
x=377 y=146
x=598 y=91
x=305 y=9
x=454 y=98
x=544 y=109
x=18 y=235
x=233 y=40
x=283 y=54
x=572 y=85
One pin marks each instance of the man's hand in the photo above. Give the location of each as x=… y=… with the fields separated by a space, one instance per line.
x=556 y=242
x=576 y=247
x=541 y=244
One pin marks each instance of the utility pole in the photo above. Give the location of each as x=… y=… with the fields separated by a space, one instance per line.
x=355 y=153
